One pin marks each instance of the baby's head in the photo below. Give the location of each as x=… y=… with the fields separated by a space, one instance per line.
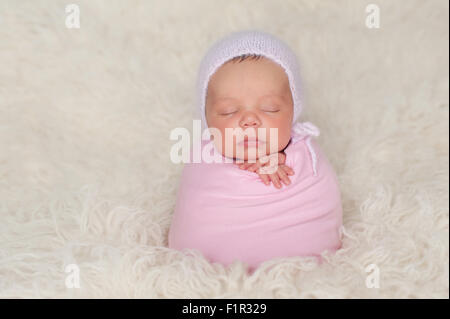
x=250 y=81
x=252 y=92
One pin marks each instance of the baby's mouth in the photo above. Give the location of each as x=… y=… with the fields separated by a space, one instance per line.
x=251 y=142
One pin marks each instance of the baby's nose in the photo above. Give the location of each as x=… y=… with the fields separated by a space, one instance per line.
x=250 y=121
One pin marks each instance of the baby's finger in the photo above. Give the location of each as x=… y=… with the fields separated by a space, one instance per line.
x=287 y=169
x=254 y=167
x=275 y=180
x=283 y=177
x=245 y=165
x=281 y=158
x=265 y=178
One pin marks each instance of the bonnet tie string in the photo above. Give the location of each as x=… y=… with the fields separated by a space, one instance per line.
x=307 y=129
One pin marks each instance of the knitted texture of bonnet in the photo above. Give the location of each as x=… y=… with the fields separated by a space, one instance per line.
x=248 y=42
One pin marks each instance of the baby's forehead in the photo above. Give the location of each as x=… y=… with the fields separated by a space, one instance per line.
x=263 y=71
x=224 y=90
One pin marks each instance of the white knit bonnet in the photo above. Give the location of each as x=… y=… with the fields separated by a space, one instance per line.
x=248 y=42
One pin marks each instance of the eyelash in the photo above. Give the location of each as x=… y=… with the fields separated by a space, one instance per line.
x=224 y=114
x=227 y=113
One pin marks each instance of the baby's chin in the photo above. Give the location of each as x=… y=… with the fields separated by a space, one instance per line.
x=250 y=153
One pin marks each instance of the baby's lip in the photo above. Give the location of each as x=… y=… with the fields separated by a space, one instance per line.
x=251 y=139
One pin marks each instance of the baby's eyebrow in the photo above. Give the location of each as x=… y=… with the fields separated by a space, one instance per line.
x=224 y=98
x=279 y=97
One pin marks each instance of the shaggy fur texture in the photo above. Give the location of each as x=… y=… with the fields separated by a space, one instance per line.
x=85 y=117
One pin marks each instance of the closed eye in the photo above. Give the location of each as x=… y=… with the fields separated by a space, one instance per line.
x=270 y=108
x=229 y=113
x=272 y=111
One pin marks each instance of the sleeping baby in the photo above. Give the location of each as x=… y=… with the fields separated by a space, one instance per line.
x=271 y=192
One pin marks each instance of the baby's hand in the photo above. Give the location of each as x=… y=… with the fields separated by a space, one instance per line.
x=281 y=173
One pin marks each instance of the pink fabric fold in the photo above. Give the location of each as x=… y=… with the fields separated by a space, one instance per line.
x=229 y=214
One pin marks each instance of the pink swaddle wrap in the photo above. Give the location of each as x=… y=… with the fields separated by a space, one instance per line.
x=229 y=214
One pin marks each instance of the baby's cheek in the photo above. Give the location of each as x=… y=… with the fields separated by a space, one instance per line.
x=279 y=142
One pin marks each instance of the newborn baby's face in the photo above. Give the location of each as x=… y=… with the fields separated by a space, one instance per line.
x=250 y=94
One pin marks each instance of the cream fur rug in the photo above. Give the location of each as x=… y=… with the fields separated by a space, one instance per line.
x=86 y=185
